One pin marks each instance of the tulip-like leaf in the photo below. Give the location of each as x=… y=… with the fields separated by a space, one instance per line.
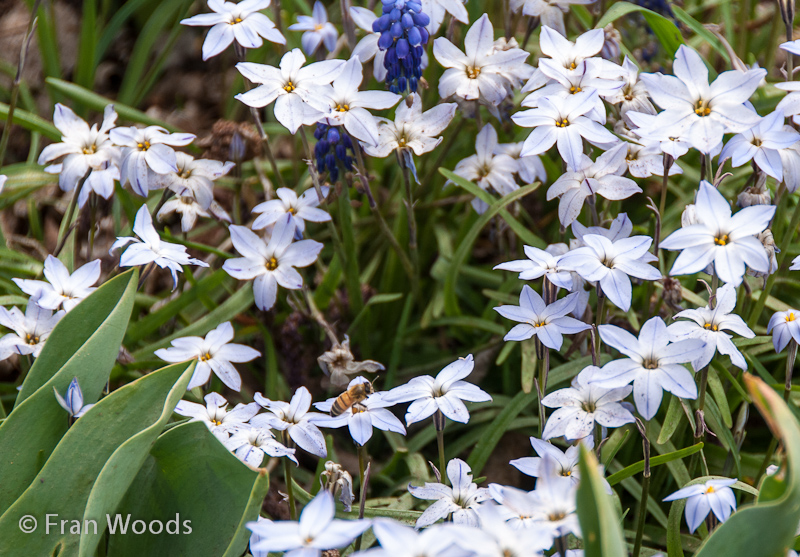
x=84 y=344
x=600 y=522
x=189 y=478
x=768 y=527
x=103 y=446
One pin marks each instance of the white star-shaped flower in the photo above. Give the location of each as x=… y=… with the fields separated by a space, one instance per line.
x=728 y=241
x=241 y=22
x=30 y=330
x=582 y=405
x=653 y=365
x=445 y=393
x=294 y=418
x=300 y=209
x=709 y=324
x=214 y=353
x=290 y=87
x=762 y=144
x=784 y=326
x=215 y=415
x=194 y=178
x=712 y=496
x=461 y=500
x=539 y=263
x=72 y=402
x=318 y=30
x=273 y=263
x=149 y=248
x=62 y=289
x=546 y=322
x=489 y=170
x=251 y=441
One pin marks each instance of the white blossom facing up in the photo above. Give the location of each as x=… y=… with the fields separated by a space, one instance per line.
x=716 y=236
x=611 y=264
x=317 y=30
x=294 y=418
x=289 y=86
x=30 y=330
x=146 y=151
x=712 y=496
x=550 y=12
x=72 y=402
x=300 y=209
x=399 y=540
x=251 y=441
x=709 y=325
x=214 y=353
x=762 y=144
x=461 y=500
x=540 y=263
x=653 y=365
x=316 y=531
x=445 y=393
x=148 y=248
x=194 y=178
x=216 y=416
x=61 y=289
x=241 y=22
x=271 y=263
x=784 y=326
x=412 y=129
x=546 y=322
x=582 y=405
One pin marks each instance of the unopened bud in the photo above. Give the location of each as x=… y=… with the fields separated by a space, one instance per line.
x=758 y=194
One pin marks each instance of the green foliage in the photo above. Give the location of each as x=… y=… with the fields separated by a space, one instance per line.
x=599 y=519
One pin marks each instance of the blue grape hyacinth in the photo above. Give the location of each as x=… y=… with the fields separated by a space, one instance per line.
x=403 y=34
x=332 y=147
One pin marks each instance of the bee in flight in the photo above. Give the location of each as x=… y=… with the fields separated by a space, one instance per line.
x=352 y=396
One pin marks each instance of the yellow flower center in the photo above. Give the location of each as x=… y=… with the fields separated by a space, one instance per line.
x=702 y=109
x=31 y=339
x=292 y=211
x=92 y=149
x=205 y=357
x=272 y=264
x=563 y=123
x=650 y=364
x=289 y=87
x=319 y=27
x=710 y=489
x=572 y=65
x=144 y=146
x=473 y=73
x=215 y=421
x=342 y=107
x=575 y=89
x=711 y=327
x=790 y=317
x=721 y=240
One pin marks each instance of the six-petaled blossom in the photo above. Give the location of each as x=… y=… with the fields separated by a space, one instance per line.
x=61 y=289
x=316 y=531
x=30 y=330
x=712 y=496
x=214 y=353
x=301 y=209
x=653 y=365
x=709 y=324
x=444 y=394
x=707 y=110
x=361 y=417
x=72 y=402
x=289 y=86
x=762 y=144
x=582 y=405
x=194 y=178
x=318 y=30
x=251 y=441
x=728 y=241
x=146 y=151
x=784 y=326
x=216 y=416
x=491 y=171
x=478 y=72
x=546 y=322
x=539 y=263
x=460 y=500
x=149 y=248
x=83 y=151
x=240 y=22
x=611 y=264
x=294 y=418
x=399 y=540
x=270 y=263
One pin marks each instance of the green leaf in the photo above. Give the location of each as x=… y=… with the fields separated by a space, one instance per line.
x=637 y=467
x=84 y=344
x=491 y=437
x=600 y=522
x=191 y=477
x=701 y=31
x=776 y=510
x=31 y=122
x=96 y=442
x=665 y=30
x=671 y=420
x=718 y=391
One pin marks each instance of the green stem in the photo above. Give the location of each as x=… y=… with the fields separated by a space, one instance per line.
x=66 y=224
x=637 y=545
x=544 y=356
x=790 y=359
x=412 y=225
x=362 y=467
x=601 y=306
x=287 y=476
x=440 y=444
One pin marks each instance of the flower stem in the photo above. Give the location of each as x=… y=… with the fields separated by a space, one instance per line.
x=438 y=422
x=287 y=475
x=637 y=545
x=601 y=306
x=668 y=160
x=544 y=356
x=790 y=359
x=412 y=225
x=362 y=467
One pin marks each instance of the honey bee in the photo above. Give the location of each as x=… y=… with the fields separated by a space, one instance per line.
x=352 y=396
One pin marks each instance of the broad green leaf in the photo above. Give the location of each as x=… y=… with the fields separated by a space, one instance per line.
x=491 y=437
x=600 y=522
x=64 y=485
x=120 y=470
x=701 y=31
x=191 y=477
x=718 y=392
x=671 y=420
x=31 y=122
x=776 y=511
x=637 y=467
x=84 y=344
x=665 y=30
